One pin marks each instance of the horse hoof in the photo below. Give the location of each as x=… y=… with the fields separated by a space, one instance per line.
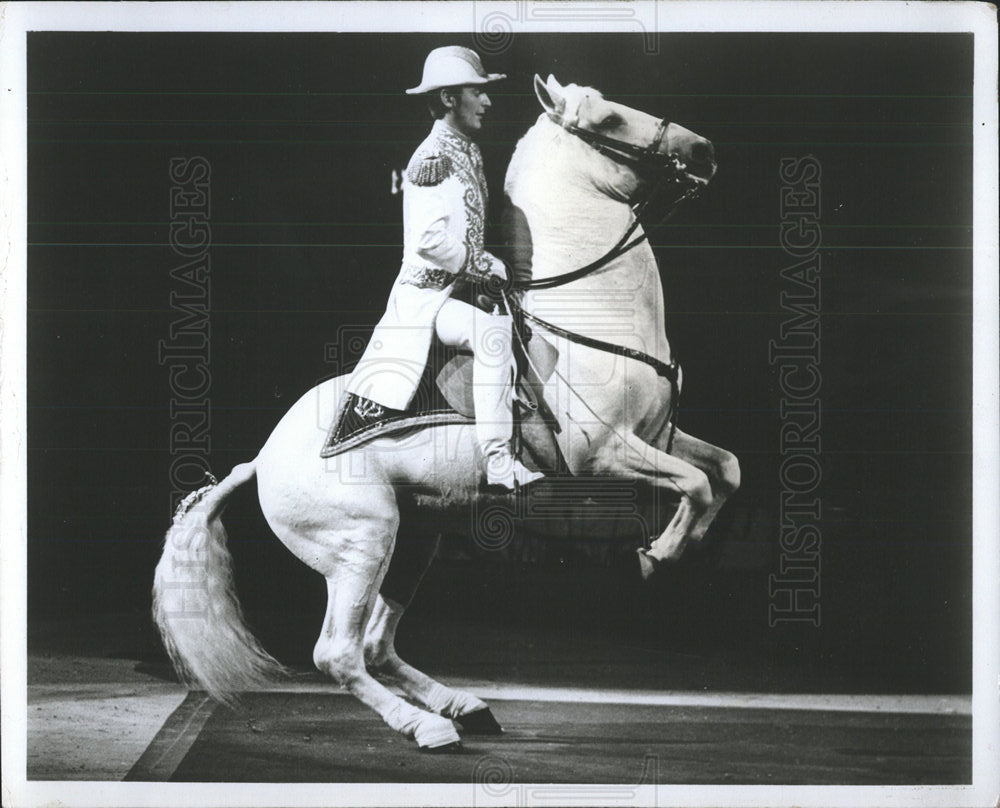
x=445 y=749
x=479 y=722
x=437 y=736
x=647 y=565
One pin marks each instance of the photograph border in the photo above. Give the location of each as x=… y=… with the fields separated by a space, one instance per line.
x=497 y=19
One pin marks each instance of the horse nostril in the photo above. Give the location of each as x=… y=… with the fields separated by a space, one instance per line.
x=702 y=152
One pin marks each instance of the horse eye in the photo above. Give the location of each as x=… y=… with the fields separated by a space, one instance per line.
x=610 y=121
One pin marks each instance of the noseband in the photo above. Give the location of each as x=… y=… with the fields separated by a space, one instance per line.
x=646 y=158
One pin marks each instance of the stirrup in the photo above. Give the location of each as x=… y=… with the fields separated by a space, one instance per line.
x=522 y=399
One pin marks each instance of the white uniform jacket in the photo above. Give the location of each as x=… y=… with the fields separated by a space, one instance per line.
x=444 y=212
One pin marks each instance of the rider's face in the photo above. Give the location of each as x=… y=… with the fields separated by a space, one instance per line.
x=467 y=110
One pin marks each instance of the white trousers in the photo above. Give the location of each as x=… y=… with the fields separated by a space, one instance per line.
x=489 y=337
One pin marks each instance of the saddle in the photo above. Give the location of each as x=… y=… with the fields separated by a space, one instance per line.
x=444 y=396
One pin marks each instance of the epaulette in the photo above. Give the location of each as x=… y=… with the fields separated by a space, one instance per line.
x=431 y=170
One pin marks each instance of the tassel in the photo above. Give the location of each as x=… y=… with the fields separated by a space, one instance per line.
x=431 y=170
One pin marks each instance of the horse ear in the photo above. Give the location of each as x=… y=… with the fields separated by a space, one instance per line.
x=549 y=95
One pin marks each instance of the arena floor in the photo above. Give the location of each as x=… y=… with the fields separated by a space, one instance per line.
x=102 y=714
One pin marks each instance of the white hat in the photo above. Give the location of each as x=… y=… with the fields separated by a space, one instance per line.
x=452 y=66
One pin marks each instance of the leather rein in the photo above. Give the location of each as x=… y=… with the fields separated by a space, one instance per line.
x=668 y=168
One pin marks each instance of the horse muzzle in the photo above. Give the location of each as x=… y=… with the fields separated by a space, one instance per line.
x=693 y=155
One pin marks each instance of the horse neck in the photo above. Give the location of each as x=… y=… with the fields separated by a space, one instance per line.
x=559 y=190
x=622 y=303
x=570 y=223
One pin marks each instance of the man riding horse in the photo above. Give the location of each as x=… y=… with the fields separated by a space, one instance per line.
x=574 y=177
x=444 y=212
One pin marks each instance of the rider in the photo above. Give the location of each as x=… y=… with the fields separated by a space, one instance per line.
x=444 y=211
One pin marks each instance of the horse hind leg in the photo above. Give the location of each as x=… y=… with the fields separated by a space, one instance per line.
x=352 y=589
x=409 y=562
x=472 y=713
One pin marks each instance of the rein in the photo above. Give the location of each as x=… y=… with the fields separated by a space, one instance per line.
x=641 y=156
x=568 y=277
x=622 y=246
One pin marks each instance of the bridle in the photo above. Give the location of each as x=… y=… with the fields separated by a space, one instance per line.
x=621 y=151
x=670 y=171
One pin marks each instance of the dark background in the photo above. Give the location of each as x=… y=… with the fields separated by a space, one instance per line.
x=302 y=132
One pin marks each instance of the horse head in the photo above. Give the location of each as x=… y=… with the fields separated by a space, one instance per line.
x=644 y=148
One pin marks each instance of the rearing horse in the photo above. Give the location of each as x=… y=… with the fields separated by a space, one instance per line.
x=570 y=184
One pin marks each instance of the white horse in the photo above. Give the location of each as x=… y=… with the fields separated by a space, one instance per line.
x=341 y=516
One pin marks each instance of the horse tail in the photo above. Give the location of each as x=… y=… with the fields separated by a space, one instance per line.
x=194 y=599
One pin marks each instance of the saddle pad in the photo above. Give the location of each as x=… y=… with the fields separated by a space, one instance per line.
x=535 y=429
x=351 y=427
x=455 y=379
x=448 y=400
x=455 y=383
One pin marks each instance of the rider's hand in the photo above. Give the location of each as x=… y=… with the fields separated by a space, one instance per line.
x=498 y=268
x=493 y=276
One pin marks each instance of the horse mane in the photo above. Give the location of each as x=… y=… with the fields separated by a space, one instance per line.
x=543 y=138
x=548 y=150
x=563 y=197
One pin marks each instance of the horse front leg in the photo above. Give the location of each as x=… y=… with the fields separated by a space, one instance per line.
x=720 y=466
x=632 y=458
